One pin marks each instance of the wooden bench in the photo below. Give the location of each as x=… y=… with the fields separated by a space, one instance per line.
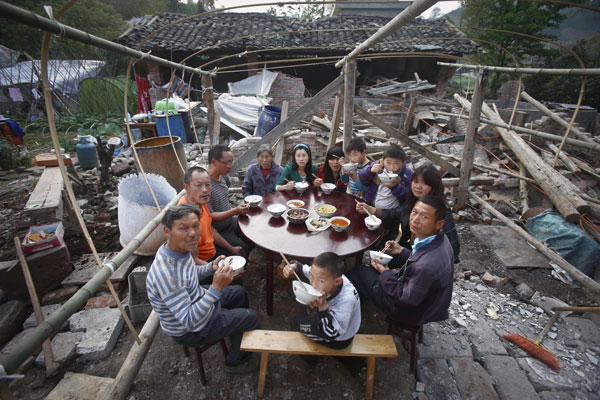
x=284 y=342
x=45 y=202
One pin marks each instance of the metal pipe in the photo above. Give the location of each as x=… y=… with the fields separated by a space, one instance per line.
x=407 y=15
x=11 y=362
x=534 y=71
x=574 y=142
x=37 y=21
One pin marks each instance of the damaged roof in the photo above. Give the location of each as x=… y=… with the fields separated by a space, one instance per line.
x=332 y=35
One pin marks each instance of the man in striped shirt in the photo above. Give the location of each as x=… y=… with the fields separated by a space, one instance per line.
x=195 y=315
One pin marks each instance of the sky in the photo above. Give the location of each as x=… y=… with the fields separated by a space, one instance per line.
x=445 y=6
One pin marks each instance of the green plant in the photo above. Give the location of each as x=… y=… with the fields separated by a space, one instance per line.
x=12 y=156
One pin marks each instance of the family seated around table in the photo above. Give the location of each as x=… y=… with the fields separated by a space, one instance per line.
x=300 y=169
x=224 y=217
x=417 y=289
x=387 y=196
x=331 y=170
x=426 y=181
x=421 y=291
x=193 y=314
x=261 y=177
x=337 y=318
x=197 y=184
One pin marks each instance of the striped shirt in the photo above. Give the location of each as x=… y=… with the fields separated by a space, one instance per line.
x=219 y=201
x=175 y=294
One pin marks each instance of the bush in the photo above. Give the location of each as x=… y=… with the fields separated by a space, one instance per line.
x=12 y=156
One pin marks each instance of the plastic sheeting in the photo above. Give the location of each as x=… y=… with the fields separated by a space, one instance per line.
x=241 y=110
x=567 y=239
x=255 y=84
x=64 y=75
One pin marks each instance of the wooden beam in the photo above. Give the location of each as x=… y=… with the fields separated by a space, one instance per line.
x=551 y=182
x=271 y=137
x=349 y=87
x=214 y=139
x=410 y=115
x=549 y=253
x=207 y=94
x=280 y=145
x=469 y=147
x=121 y=385
x=523 y=190
x=474 y=181
x=337 y=116
x=407 y=140
x=555 y=117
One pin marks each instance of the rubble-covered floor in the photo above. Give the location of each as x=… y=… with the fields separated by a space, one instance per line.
x=463 y=357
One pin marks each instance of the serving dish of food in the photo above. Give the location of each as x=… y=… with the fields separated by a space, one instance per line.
x=325 y=210
x=317 y=224
x=297 y=215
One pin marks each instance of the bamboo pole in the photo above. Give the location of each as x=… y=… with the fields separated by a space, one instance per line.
x=469 y=147
x=533 y=71
x=523 y=192
x=121 y=385
x=349 y=86
x=35 y=302
x=555 y=117
x=564 y=157
x=407 y=15
x=573 y=142
x=32 y=19
x=550 y=254
x=552 y=182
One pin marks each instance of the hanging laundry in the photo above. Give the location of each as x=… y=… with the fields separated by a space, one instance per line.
x=144 y=103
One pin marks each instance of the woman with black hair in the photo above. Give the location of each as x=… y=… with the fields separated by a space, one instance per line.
x=300 y=169
x=331 y=170
x=426 y=181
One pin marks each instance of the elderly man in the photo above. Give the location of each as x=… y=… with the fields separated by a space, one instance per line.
x=220 y=161
x=421 y=291
x=197 y=184
x=195 y=315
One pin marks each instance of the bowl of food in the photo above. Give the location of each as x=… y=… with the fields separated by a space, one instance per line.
x=237 y=263
x=304 y=293
x=253 y=200
x=372 y=222
x=387 y=177
x=327 y=188
x=297 y=215
x=301 y=187
x=381 y=258
x=325 y=210
x=350 y=168
x=276 y=210
x=339 y=224
x=295 y=204
x=317 y=224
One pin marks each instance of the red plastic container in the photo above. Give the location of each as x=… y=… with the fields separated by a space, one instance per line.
x=55 y=241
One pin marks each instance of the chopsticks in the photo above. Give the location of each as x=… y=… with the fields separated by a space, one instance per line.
x=387 y=246
x=295 y=274
x=368 y=212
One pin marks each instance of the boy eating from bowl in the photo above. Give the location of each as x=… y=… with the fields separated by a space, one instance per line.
x=387 y=195
x=338 y=316
x=357 y=153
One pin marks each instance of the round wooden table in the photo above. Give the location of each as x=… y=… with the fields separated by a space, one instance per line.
x=276 y=235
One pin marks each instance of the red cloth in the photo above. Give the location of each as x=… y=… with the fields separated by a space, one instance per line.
x=144 y=103
x=265 y=172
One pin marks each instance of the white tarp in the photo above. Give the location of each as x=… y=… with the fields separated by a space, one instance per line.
x=246 y=99
x=241 y=110
x=64 y=75
x=255 y=84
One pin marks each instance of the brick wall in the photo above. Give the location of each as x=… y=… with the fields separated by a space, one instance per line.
x=286 y=87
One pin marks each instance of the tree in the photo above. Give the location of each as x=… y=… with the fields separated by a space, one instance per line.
x=92 y=16
x=512 y=16
x=565 y=89
x=311 y=11
x=435 y=13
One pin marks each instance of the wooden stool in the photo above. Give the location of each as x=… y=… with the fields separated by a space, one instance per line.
x=398 y=329
x=199 y=351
